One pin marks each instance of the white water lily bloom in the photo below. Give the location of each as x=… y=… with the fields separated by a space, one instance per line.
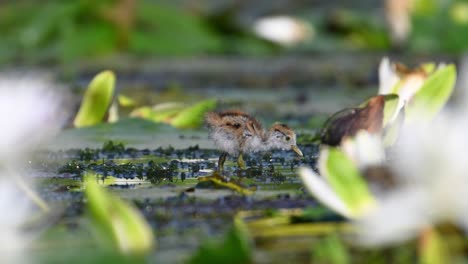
x=323 y=192
x=284 y=30
x=17 y=211
x=365 y=149
x=406 y=83
x=341 y=175
x=388 y=78
x=431 y=166
x=29 y=113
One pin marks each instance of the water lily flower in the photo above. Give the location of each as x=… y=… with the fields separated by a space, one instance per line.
x=432 y=170
x=29 y=114
x=284 y=30
x=342 y=187
x=17 y=211
x=398 y=79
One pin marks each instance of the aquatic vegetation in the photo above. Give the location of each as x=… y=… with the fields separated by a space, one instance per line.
x=422 y=91
x=219 y=180
x=97 y=100
x=236 y=247
x=176 y=114
x=343 y=187
x=118 y=224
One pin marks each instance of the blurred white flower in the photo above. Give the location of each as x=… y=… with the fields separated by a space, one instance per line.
x=432 y=169
x=396 y=78
x=363 y=150
x=29 y=114
x=17 y=210
x=284 y=30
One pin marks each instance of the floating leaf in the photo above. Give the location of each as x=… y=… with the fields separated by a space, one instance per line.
x=231 y=184
x=118 y=223
x=433 y=95
x=96 y=100
x=126 y=101
x=159 y=113
x=346 y=180
x=192 y=117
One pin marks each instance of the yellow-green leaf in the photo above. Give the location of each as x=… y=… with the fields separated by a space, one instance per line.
x=159 y=113
x=120 y=226
x=346 y=180
x=192 y=117
x=433 y=248
x=126 y=101
x=219 y=180
x=96 y=100
x=433 y=95
x=390 y=108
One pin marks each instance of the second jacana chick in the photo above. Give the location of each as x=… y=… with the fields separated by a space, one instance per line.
x=236 y=133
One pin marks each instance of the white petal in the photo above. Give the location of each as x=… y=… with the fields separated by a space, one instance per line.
x=387 y=77
x=17 y=211
x=283 y=30
x=322 y=191
x=399 y=217
x=364 y=149
x=29 y=113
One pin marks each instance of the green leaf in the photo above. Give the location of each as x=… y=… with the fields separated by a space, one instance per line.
x=390 y=107
x=159 y=113
x=120 y=226
x=433 y=95
x=126 y=101
x=346 y=180
x=331 y=249
x=433 y=248
x=96 y=100
x=235 y=248
x=392 y=130
x=192 y=117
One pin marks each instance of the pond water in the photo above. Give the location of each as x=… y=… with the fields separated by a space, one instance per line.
x=158 y=166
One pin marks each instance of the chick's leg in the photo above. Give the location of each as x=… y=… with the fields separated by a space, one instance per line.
x=221 y=161
x=240 y=162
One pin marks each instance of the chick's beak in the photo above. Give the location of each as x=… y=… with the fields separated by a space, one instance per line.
x=297 y=150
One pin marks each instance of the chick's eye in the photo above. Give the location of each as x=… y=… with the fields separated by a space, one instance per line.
x=288 y=138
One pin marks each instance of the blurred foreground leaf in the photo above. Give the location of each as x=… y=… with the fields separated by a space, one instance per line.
x=120 y=225
x=234 y=249
x=345 y=179
x=96 y=100
x=433 y=95
x=433 y=248
x=331 y=249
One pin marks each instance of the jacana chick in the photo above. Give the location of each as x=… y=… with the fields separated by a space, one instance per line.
x=236 y=133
